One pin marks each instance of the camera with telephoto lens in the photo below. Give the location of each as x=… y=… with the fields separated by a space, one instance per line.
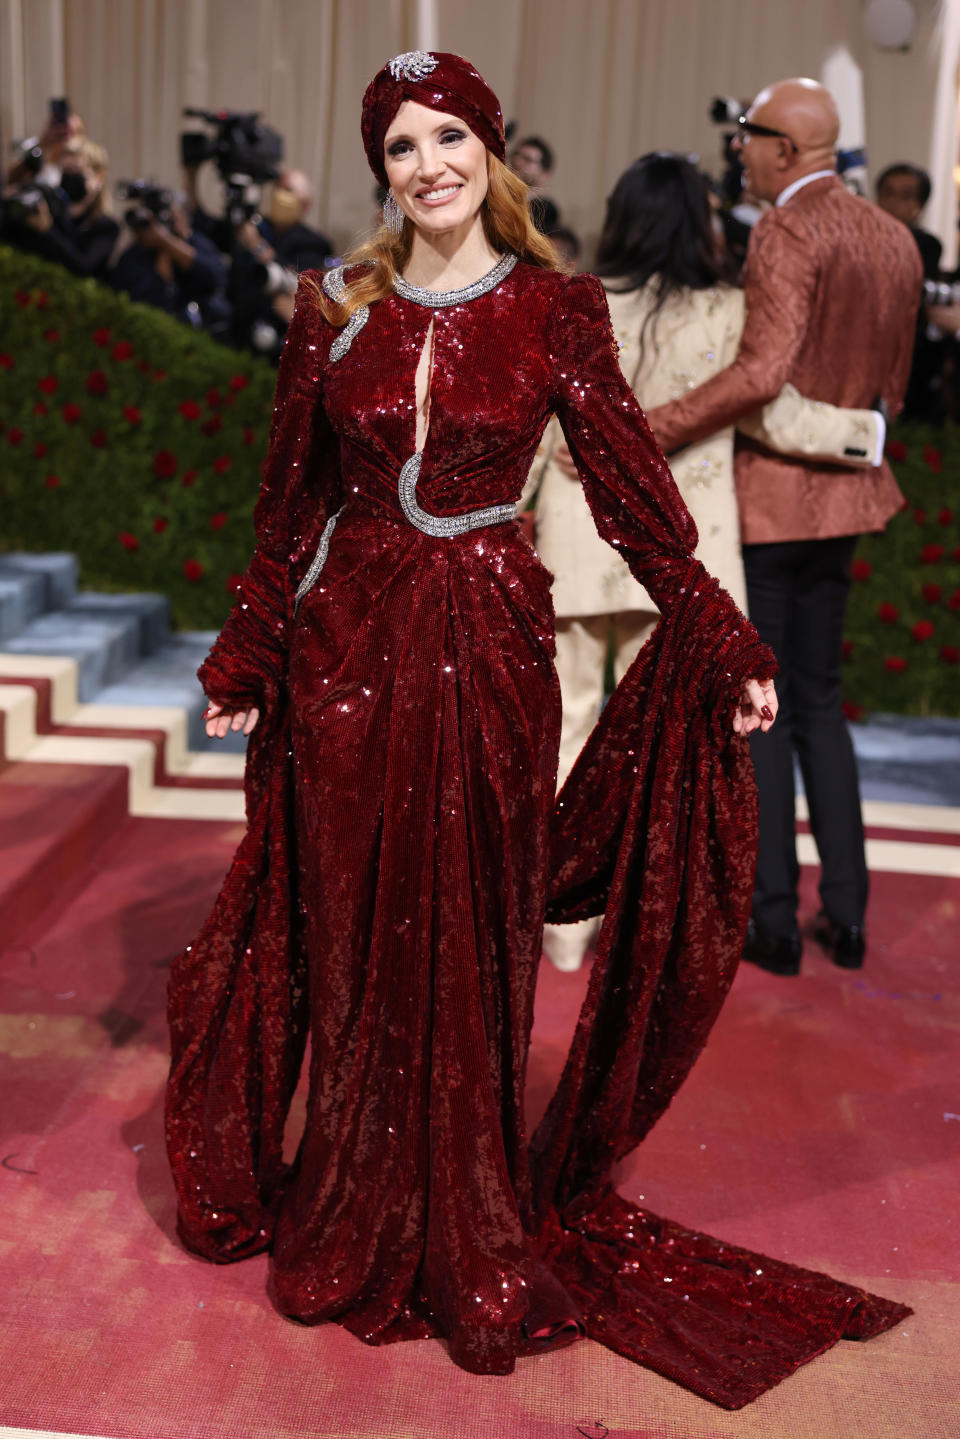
x=245 y=151
x=939 y=292
x=153 y=203
x=27 y=197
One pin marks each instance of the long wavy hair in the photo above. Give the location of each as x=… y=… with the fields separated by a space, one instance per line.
x=383 y=255
x=657 y=229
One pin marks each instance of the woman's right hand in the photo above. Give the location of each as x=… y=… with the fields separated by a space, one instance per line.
x=221 y=720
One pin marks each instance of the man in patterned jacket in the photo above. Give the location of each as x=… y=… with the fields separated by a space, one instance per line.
x=832 y=286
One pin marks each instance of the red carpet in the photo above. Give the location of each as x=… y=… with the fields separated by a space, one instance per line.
x=821 y=1125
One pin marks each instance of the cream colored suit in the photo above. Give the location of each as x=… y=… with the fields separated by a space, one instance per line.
x=597 y=600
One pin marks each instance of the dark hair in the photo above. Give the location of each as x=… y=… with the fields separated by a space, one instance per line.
x=915 y=173
x=568 y=238
x=535 y=143
x=657 y=227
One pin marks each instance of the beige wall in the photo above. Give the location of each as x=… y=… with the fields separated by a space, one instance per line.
x=603 y=81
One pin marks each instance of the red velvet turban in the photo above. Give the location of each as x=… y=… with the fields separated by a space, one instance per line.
x=441 y=82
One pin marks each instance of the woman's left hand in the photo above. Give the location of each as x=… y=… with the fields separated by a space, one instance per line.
x=758 y=707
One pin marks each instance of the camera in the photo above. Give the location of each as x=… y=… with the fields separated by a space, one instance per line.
x=153 y=202
x=245 y=151
x=726 y=111
x=938 y=292
x=27 y=197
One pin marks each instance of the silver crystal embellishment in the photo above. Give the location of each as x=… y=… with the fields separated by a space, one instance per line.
x=438 y=299
x=412 y=65
x=318 y=561
x=444 y=526
x=334 y=285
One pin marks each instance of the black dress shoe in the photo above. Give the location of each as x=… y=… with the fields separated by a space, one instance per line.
x=846 y=944
x=779 y=954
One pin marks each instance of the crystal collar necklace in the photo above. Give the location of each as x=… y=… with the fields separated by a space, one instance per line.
x=438 y=298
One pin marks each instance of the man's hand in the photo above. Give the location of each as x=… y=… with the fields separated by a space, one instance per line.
x=40 y=219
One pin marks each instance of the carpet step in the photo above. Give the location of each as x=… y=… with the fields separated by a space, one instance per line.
x=54 y=818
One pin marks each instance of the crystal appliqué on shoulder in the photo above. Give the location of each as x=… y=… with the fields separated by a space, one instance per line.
x=444 y=526
x=438 y=299
x=334 y=285
x=412 y=65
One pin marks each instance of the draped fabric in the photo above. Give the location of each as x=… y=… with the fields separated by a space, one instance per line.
x=643 y=75
x=404 y=847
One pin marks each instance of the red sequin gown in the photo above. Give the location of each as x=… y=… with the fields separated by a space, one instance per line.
x=404 y=846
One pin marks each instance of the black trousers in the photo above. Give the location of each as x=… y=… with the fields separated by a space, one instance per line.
x=797 y=595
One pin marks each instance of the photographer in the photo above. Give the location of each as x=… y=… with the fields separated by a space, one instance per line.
x=169 y=265
x=69 y=224
x=269 y=253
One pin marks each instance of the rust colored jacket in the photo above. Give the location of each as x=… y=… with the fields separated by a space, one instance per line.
x=832 y=287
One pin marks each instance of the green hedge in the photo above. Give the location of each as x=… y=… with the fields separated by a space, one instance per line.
x=135 y=442
x=128 y=438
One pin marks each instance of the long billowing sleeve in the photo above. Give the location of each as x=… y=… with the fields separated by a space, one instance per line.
x=238 y=994
x=300 y=488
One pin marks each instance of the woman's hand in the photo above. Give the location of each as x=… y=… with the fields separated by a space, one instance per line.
x=221 y=720
x=758 y=707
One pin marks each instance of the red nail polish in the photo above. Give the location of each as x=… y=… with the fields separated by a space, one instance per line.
x=767 y=712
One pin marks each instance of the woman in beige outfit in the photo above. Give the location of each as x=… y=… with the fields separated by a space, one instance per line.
x=677 y=323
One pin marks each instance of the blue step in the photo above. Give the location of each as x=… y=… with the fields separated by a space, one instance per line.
x=103 y=647
x=57 y=573
x=22 y=598
x=909 y=759
x=152 y=613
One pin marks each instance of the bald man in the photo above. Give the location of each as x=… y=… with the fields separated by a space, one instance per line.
x=832 y=286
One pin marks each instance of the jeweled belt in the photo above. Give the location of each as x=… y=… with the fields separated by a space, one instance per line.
x=438 y=526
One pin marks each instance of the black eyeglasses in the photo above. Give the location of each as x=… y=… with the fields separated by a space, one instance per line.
x=750 y=127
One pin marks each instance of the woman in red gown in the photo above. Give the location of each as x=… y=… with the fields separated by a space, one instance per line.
x=391 y=652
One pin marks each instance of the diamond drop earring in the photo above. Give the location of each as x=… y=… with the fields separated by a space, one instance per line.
x=392 y=214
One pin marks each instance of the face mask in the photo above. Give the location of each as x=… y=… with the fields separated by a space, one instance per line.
x=284 y=209
x=74 y=186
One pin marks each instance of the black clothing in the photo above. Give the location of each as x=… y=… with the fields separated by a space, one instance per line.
x=201 y=284
x=931 y=252
x=83 y=246
x=544 y=213
x=924 y=397
x=253 y=285
x=797 y=597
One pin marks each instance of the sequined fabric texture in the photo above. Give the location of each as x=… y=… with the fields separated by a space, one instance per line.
x=404 y=846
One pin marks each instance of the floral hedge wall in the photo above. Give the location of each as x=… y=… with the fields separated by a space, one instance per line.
x=128 y=438
x=135 y=442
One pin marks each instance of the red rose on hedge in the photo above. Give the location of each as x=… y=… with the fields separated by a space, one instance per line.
x=222 y=464
x=249 y=435
x=233 y=583
x=52 y=482
x=211 y=426
x=847 y=649
x=101 y=338
x=931 y=554
x=132 y=415
x=14 y=435
x=945 y=517
x=853 y=711
x=7 y=362
x=164 y=465
x=190 y=410
x=39 y=450
x=48 y=385
x=896 y=450
x=52 y=336
x=922 y=630
x=122 y=350
x=71 y=413
x=99 y=439
x=159 y=375
x=214 y=398
x=193 y=570
x=896 y=664
x=239 y=382
x=955 y=554
x=129 y=542
x=953 y=603
x=933 y=458
x=218 y=520
x=22 y=298
x=950 y=654
x=861 y=570
x=42 y=300
x=40 y=408
x=919 y=517
x=188 y=478
x=97 y=382
x=887 y=613
x=159 y=525
x=933 y=594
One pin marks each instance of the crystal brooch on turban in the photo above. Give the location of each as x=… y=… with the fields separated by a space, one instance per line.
x=412 y=65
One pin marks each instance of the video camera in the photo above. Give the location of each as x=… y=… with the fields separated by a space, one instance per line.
x=246 y=153
x=26 y=198
x=153 y=202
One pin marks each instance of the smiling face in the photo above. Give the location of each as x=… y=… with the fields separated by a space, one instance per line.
x=436 y=167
